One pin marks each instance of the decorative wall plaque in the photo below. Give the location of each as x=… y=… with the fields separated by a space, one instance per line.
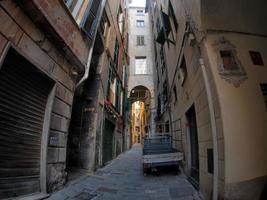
x=229 y=66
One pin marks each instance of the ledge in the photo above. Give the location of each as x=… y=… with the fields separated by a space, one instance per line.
x=60 y=28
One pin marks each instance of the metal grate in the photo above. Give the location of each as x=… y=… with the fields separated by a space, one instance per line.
x=23 y=95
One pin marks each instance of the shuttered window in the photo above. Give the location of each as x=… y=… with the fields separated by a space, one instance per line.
x=90 y=20
x=24 y=92
x=140 y=40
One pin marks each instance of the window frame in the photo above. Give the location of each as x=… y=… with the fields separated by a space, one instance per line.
x=143 y=71
x=256 y=58
x=228 y=60
x=140 y=40
x=140 y=23
x=138 y=13
x=183 y=72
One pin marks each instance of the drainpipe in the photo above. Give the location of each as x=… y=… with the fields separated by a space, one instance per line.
x=87 y=68
x=213 y=128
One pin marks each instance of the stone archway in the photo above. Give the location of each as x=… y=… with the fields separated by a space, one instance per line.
x=140 y=98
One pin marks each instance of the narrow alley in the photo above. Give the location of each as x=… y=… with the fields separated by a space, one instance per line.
x=109 y=99
x=123 y=179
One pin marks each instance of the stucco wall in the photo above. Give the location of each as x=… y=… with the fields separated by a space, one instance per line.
x=239 y=15
x=243 y=110
x=134 y=50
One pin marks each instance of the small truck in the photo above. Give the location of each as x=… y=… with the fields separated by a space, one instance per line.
x=158 y=153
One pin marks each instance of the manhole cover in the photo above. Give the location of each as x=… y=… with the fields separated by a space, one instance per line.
x=106 y=189
x=85 y=196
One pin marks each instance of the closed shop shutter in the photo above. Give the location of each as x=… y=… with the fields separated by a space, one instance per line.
x=24 y=92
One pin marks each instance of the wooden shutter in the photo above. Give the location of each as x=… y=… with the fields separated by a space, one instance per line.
x=90 y=20
x=23 y=95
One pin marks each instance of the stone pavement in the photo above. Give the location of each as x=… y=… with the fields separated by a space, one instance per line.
x=123 y=179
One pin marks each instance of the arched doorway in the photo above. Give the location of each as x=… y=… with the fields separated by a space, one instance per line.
x=140 y=98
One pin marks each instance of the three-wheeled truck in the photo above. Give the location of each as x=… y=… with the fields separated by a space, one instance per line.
x=158 y=153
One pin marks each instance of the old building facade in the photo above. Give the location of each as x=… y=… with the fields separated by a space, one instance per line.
x=98 y=122
x=210 y=82
x=141 y=80
x=54 y=53
x=71 y=71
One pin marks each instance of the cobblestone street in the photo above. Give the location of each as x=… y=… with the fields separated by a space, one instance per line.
x=123 y=179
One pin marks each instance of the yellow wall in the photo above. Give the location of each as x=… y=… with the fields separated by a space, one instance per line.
x=244 y=115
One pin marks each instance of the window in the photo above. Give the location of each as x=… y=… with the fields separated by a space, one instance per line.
x=172 y=16
x=120 y=19
x=140 y=23
x=140 y=40
x=228 y=59
x=74 y=6
x=110 y=80
x=175 y=93
x=165 y=92
x=140 y=12
x=210 y=161
x=183 y=72
x=118 y=95
x=140 y=65
x=165 y=29
x=173 y=25
x=264 y=92
x=90 y=20
x=116 y=53
x=155 y=50
x=162 y=59
x=104 y=24
x=159 y=106
x=167 y=127
x=256 y=58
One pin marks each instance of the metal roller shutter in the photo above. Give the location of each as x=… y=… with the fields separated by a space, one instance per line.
x=23 y=95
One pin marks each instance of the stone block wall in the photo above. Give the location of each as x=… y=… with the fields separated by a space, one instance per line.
x=18 y=29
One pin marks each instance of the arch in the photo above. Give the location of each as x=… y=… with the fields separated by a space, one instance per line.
x=140 y=93
x=140 y=99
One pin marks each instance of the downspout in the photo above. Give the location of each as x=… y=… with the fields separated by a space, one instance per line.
x=213 y=129
x=87 y=68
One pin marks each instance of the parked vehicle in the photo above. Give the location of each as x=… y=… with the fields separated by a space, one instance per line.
x=158 y=153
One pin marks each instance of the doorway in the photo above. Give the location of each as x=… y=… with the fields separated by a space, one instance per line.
x=140 y=115
x=108 y=141
x=24 y=109
x=193 y=137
